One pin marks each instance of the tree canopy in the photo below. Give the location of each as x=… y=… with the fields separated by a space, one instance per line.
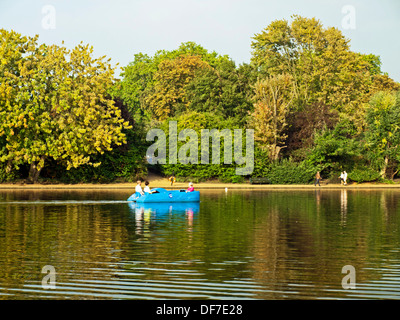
x=314 y=104
x=54 y=104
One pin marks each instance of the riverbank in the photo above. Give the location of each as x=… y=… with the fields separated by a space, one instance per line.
x=164 y=183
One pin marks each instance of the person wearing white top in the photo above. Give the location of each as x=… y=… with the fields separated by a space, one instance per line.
x=341 y=177
x=147 y=188
x=138 y=187
x=345 y=177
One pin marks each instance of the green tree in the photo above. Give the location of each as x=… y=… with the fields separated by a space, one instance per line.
x=138 y=77
x=224 y=90
x=336 y=149
x=323 y=68
x=383 y=132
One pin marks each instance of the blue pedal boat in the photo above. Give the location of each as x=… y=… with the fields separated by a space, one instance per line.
x=163 y=195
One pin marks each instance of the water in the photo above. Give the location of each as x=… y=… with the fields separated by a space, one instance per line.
x=234 y=245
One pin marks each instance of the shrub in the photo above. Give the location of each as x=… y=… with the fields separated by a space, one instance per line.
x=202 y=172
x=6 y=175
x=124 y=163
x=290 y=172
x=364 y=174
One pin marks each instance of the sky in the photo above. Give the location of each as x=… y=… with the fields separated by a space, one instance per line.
x=121 y=28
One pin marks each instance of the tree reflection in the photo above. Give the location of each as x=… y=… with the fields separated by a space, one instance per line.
x=290 y=243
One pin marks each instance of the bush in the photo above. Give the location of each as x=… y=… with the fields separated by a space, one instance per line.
x=124 y=163
x=6 y=175
x=289 y=172
x=203 y=172
x=364 y=174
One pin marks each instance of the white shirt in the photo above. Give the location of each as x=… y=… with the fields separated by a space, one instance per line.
x=147 y=189
x=345 y=176
x=138 y=188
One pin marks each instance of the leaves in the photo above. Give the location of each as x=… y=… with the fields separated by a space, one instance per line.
x=168 y=96
x=323 y=68
x=383 y=131
x=273 y=97
x=55 y=104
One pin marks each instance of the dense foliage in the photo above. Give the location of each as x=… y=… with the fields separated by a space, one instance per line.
x=314 y=105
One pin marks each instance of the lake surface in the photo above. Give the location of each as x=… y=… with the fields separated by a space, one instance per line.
x=233 y=245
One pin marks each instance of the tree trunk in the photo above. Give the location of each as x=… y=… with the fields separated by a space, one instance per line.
x=385 y=166
x=34 y=170
x=393 y=174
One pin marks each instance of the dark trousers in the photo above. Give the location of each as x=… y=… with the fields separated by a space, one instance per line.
x=317 y=181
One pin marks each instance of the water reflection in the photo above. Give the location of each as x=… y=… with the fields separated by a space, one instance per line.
x=148 y=213
x=161 y=209
x=343 y=206
x=264 y=245
x=318 y=200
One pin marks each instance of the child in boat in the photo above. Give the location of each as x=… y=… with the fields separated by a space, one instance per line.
x=147 y=188
x=191 y=188
x=139 y=187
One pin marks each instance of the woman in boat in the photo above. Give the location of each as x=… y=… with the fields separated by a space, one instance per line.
x=191 y=188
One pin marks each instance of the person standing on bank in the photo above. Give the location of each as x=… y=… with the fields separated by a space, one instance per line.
x=172 y=178
x=344 y=177
x=317 y=179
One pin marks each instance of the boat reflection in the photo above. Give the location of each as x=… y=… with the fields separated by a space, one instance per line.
x=164 y=208
x=147 y=214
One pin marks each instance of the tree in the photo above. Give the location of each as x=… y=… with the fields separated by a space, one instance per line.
x=304 y=123
x=273 y=97
x=55 y=105
x=13 y=48
x=168 y=96
x=383 y=132
x=382 y=82
x=337 y=148
x=323 y=68
x=225 y=90
x=138 y=76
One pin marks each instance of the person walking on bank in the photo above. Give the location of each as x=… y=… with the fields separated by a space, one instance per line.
x=341 y=177
x=317 y=179
x=172 y=179
x=345 y=178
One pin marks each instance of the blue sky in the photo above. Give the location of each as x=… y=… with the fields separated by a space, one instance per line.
x=121 y=28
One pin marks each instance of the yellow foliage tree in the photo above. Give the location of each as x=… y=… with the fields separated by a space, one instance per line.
x=168 y=96
x=54 y=104
x=273 y=97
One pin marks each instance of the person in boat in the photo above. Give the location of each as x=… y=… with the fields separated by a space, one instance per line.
x=191 y=188
x=138 y=187
x=147 y=188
